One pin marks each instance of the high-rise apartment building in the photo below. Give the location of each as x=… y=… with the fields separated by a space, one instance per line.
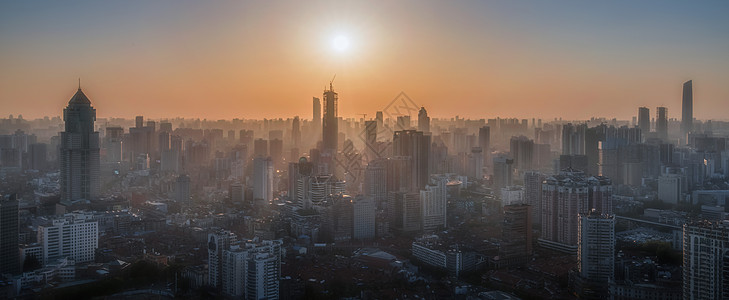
x=516 y=242
x=416 y=145
x=564 y=197
x=79 y=155
x=706 y=260
x=595 y=254
x=262 y=180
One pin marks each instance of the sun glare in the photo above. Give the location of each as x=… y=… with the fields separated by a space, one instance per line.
x=340 y=43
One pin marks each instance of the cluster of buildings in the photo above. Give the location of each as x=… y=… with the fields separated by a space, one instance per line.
x=245 y=196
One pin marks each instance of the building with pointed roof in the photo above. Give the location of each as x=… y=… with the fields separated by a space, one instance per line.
x=79 y=155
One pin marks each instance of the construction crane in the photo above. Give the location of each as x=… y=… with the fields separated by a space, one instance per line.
x=332 y=81
x=364 y=116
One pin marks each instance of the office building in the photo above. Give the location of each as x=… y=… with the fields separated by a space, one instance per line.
x=73 y=236
x=79 y=155
x=403 y=210
x=363 y=217
x=434 y=204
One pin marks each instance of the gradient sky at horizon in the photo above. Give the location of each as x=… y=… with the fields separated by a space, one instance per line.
x=256 y=59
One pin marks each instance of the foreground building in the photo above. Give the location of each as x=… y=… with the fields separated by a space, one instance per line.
x=706 y=260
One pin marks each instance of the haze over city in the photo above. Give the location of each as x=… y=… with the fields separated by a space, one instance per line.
x=364 y=150
x=241 y=59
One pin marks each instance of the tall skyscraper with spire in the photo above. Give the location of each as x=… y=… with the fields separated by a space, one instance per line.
x=330 y=126
x=79 y=155
x=687 y=114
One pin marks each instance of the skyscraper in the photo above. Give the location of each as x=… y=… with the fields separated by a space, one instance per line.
x=484 y=141
x=706 y=260
x=330 y=126
x=79 y=151
x=644 y=120
x=522 y=150
x=262 y=180
x=295 y=133
x=687 y=113
x=423 y=120
x=662 y=123
x=316 y=117
x=9 y=256
x=415 y=145
x=516 y=241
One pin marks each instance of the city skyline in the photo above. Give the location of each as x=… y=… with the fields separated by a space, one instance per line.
x=497 y=59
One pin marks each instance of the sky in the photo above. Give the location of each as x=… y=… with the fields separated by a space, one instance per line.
x=267 y=59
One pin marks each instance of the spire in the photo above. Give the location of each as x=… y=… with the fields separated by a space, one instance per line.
x=79 y=97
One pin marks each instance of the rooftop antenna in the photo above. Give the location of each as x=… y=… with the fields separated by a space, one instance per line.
x=79 y=83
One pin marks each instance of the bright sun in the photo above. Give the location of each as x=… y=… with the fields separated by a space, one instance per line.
x=340 y=43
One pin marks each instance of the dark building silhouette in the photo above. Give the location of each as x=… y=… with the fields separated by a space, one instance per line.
x=423 y=120
x=316 y=116
x=687 y=113
x=330 y=126
x=416 y=145
x=9 y=255
x=79 y=155
x=662 y=123
x=644 y=120
x=484 y=141
x=296 y=132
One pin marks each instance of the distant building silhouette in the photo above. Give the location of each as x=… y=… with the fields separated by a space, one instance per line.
x=662 y=123
x=687 y=112
x=330 y=126
x=423 y=120
x=644 y=120
x=9 y=256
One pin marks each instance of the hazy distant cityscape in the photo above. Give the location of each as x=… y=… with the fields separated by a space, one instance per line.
x=390 y=205
x=471 y=150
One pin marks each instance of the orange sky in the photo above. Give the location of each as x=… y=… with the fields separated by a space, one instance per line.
x=256 y=60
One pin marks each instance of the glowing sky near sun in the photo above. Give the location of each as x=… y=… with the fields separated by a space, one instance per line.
x=256 y=59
